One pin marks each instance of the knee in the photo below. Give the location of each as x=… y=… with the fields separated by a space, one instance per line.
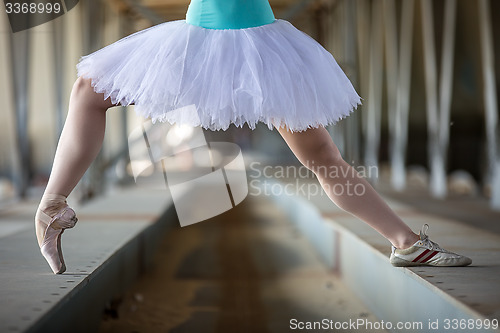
x=81 y=87
x=324 y=156
x=83 y=93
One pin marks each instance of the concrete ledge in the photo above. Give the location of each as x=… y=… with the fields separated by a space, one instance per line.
x=360 y=256
x=113 y=242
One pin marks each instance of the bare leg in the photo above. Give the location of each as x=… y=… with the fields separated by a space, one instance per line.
x=81 y=138
x=315 y=149
x=80 y=141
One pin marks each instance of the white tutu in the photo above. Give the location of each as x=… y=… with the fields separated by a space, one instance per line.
x=186 y=74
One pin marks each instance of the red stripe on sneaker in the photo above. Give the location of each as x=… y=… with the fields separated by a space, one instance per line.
x=430 y=256
x=420 y=256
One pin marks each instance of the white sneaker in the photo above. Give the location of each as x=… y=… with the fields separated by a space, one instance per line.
x=426 y=253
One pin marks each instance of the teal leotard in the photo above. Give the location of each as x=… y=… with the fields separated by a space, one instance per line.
x=229 y=14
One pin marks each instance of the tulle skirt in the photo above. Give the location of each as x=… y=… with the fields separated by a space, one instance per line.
x=186 y=74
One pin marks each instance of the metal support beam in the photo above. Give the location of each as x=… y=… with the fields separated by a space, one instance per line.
x=20 y=56
x=490 y=101
x=374 y=110
x=58 y=56
x=352 y=132
x=398 y=62
x=294 y=9
x=446 y=83
x=430 y=67
x=438 y=115
x=145 y=12
x=93 y=181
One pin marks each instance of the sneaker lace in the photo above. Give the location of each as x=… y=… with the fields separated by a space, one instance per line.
x=424 y=240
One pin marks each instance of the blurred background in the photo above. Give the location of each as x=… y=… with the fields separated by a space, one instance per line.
x=425 y=70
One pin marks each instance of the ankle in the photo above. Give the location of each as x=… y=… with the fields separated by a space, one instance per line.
x=406 y=241
x=51 y=203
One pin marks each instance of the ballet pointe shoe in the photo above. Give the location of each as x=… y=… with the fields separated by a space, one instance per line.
x=49 y=231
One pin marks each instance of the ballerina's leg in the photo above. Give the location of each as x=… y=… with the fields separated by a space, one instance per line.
x=80 y=141
x=316 y=150
x=81 y=138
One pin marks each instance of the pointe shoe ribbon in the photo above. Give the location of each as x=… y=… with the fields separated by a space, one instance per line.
x=51 y=244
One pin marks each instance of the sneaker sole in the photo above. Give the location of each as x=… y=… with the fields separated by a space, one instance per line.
x=398 y=262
